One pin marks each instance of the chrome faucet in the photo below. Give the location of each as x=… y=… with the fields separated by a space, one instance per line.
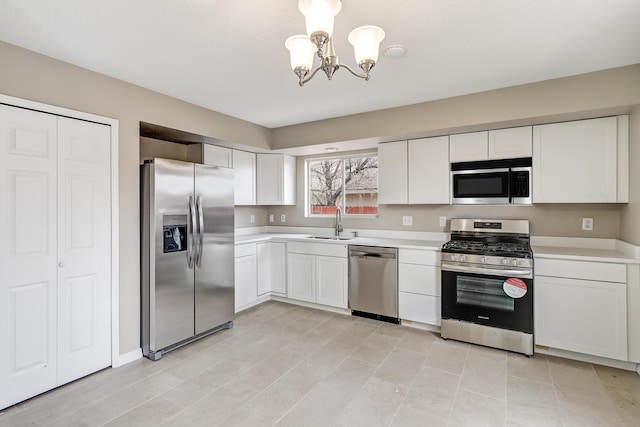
x=339 y=228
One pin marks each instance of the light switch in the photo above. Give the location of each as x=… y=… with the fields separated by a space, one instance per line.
x=253 y=219
x=271 y=218
x=443 y=221
x=407 y=220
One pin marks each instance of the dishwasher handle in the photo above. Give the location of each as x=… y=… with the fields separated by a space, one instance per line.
x=360 y=254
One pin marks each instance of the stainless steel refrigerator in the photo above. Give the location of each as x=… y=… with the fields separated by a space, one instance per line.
x=187 y=249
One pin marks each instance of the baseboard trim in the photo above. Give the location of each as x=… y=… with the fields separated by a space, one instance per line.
x=613 y=363
x=123 y=359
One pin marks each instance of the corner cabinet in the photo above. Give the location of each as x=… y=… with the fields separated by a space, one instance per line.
x=582 y=307
x=271 y=268
x=318 y=273
x=414 y=171
x=276 y=179
x=583 y=161
x=244 y=177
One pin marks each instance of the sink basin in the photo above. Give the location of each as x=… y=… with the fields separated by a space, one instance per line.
x=330 y=237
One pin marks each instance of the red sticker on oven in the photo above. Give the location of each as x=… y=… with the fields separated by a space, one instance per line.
x=515 y=288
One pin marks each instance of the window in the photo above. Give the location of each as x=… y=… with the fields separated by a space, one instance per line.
x=349 y=182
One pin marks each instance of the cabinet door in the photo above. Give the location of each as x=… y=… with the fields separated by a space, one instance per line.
x=28 y=262
x=468 y=147
x=429 y=170
x=511 y=143
x=575 y=162
x=581 y=315
x=217 y=156
x=244 y=169
x=301 y=280
x=332 y=281
x=246 y=281
x=278 y=263
x=263 y=250
x=270 y=190
x=419 y=308
x=419 y=279
x=392 y=173
x=84 y=248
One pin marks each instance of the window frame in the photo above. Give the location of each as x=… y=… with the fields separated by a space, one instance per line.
x=307 y=195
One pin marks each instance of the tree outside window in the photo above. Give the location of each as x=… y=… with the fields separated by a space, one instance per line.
x=349 y=182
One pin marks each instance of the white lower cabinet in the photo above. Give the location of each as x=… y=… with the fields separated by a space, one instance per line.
x=246 y=280
x=585 y=311
x=419 y=286
x=271 y=268
x=317 y=273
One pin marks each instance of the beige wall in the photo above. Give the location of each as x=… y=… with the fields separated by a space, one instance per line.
x=563 y=220
x=588 y=95
x=630 y=213
x=27 y=75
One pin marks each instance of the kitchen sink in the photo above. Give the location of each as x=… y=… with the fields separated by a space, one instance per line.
x=330 y=237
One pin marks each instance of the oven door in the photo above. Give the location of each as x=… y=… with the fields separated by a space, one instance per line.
x=482 y=186
x=499 y=301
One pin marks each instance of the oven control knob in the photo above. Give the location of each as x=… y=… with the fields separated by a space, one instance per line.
x=514 y=262
x=483 y=260
x=462 y=257
x=454 y=257
x=505 y=261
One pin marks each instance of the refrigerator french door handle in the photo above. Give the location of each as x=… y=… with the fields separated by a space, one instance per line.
x=190 y=233
x=200 y=230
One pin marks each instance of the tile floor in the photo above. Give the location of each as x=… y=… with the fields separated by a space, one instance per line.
x=286 y=365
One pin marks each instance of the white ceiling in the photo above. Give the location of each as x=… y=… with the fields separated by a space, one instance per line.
x=229 y=55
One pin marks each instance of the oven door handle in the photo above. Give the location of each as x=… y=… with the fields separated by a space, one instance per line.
x=527 y=274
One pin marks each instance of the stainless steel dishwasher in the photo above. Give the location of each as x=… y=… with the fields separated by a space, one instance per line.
x=373 y=282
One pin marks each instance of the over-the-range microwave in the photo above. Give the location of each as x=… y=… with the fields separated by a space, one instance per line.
x=491 y=182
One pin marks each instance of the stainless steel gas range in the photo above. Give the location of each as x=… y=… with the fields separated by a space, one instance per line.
x=487 y=284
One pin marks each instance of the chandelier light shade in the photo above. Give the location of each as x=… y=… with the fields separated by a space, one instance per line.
x=319 y=18
x=301 y=51
x=319 y=15
x=366 y=43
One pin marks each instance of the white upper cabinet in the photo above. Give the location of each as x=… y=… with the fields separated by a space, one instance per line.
x=244 y=171
x=276 y=179
x=414 y=171
x=392 y=173
x=429 y=170
x=217 y=156
x=469 y=147
x=582 y=161
x=495 y=144
x=511 y=143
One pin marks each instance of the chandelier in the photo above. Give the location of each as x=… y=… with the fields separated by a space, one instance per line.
x=319 y=16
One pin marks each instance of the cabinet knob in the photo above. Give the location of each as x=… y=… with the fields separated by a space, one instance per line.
x=61 y=264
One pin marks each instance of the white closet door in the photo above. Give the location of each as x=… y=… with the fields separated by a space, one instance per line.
x=27 y=254
x=84 y=230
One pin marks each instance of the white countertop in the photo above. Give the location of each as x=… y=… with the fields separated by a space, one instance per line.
x=367 y=241
x=579 y=249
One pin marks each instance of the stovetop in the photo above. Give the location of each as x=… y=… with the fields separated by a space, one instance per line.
x=498 y=238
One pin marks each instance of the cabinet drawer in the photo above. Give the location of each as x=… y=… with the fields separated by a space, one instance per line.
x=245 y=249
x=417 y=256
x=419 y=308
x=419 y=279
x=602 y=271
x=326 y=249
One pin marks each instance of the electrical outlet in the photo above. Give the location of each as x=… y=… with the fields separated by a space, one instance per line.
x=283 y=218
x=443 y=221
x=407 y=220
x=587 y=224
x=271 y=218
x=253 y=219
